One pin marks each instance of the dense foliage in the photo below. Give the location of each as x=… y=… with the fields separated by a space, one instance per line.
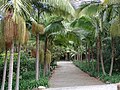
x=27 y=74
x=83 y=65
x=88 y=32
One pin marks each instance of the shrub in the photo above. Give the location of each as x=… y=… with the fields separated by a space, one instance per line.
x=115 y=78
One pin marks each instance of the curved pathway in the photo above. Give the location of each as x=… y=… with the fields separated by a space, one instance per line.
x=68 y=75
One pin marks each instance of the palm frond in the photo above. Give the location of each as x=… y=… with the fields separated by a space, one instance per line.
x=83 y=23
x=111 y=2
x=54 y=27
x=92 y=10
x=114 y=29
x=61 y=7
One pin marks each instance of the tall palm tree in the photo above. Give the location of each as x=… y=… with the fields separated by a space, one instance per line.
x=114 y=6
x=12 y=8
x=4 y=72
x=2 y=46
x=114 y=30
x=10 y=24
x=51 y=29
x=56 y=7
x=21 y=30
x=96 y=16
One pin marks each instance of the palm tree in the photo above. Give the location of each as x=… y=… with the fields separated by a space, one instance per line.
x=4 y=72
x=20 y=12
x=55 y=7
x=50 y=30
x=96 y=16
x=10 y=22
x=2 y=46
x=21 y=26
x=114 y=26
x=114 y=30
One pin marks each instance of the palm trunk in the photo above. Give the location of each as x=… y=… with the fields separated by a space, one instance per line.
x=11 y=67
x=93 y=67
x=86 y=53
x=18 y=68
x=4 y=72
x=37 y=56
x=77 y=56
x=87 y=63
x=92 y=54
x=113 y=56
x=81 y=56
x=98 y=53
x=45 y=62
x=89 y=55
x=101 y=58
x=49 y=68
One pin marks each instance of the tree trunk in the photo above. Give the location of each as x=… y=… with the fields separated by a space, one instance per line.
x=92 y=54
x=37 y=56
x=98 y=54
x=49 y=68
x=87 y=62
x=18 y=68
x=89 y=55
x=92 y=59
x=11 y=67
x=86 y=53
x=4 y=72
x=81 y=56
x=77 y=56
x=101 y=58
x=45 y=62
x=113 y=56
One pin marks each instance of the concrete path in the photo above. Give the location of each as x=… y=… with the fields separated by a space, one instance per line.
x=91 y=87
x=68 y=75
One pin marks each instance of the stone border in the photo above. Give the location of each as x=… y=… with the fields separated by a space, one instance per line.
x=41 y=88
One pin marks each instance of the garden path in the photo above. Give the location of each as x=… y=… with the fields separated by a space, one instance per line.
x=68 y=75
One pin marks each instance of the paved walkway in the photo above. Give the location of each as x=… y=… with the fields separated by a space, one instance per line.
x=91 y=87
x=68 y=75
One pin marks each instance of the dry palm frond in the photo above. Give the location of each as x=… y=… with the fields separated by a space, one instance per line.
x=8 y=30
x=33 y=52
x=8 y=45
x=48 y=57
x=42 y=44
x=41 y=29
x=21 y=26
x=41 y=56
x=34 y=27
x=2 y=43
x=37 y=28
x=114 y=29
x=27 y=36
x=15 y=31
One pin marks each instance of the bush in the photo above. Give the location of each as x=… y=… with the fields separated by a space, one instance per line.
x=115 y=78
x=30 y=84
x=27 y=73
